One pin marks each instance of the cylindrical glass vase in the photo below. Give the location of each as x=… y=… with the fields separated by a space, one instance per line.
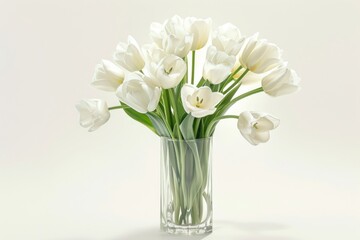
x=186 y=186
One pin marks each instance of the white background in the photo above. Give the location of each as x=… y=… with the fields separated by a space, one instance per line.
x=57 y=181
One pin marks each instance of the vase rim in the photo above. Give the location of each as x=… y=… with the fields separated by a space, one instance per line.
x=185 y=140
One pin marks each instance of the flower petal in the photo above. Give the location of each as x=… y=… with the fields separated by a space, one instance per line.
x=187 y=90
x=267 y=123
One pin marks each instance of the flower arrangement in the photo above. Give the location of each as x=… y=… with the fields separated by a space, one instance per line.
x=156 y=86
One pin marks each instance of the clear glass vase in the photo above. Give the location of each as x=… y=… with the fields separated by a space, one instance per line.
x=186 y=186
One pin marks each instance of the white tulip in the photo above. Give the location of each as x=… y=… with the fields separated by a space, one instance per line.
x=218 y=65
x=255 y=126
x=137 y=94
x=259 y=56
x=166 y=74
x=129 y=55
x=177 y=45
x=153 y=54
x=227 y=38
x=157 y=33
x=281 y=81
x=200 y=29
x=93 y=113
x=172 y=36
x=200 y=102
x=249 y=78
x=174 y=25
x=177 y=41
x=108 y=76
x=161 y=69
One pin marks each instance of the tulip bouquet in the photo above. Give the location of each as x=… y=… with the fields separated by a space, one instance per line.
x=156 y=86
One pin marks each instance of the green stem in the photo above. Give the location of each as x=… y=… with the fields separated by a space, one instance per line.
x=117 y=107
x=162 y=115
x=167 y=108
x=193 y=68
x=196 y=126
x=180 y=159
x=215 y=120
x=236 y=81
x=174 y=106
x=229 y=78
x=256 y=90
x=187 y=70
x=235 y=72
x=201 y=82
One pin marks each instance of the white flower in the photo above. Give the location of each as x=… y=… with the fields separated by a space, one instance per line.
x=200 y=102
x=157 y=33
x=217 y=66
x=259 y=56
x=249 y=78
x=129 y=55
x=227 y=38
x=136 y=93
x=172 y=36
x=161 y=69
x=281 y=81
x=108 y=76
x=200 y=29
x=93 y=113
x=255 y=126
x=153 y=54
x=167 y=73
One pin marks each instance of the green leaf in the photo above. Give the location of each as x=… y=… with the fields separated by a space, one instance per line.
x=140 y=117
x=201 y=82
x=181 y=110
x=221 y=108
x=158 y=124
x=228 y=98
x=186 y=127
x=175 y=131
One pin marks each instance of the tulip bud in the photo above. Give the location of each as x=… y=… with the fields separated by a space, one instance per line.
x=259 y=56
x=108 y=76
x=129 y=55
x=200 y=29
x=217 y=66
x=137 y=94
x=281 y=81
x=93 y=113
x=227 y=38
